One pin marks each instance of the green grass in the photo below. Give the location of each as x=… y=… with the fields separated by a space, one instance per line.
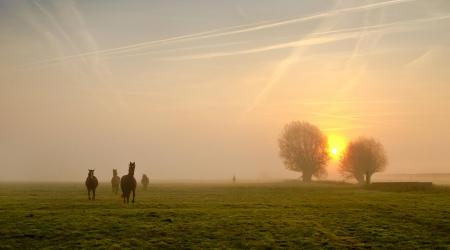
x=199 y=216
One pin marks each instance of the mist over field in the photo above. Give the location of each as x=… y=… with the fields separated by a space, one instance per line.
x=237 y=124
x=201 y=90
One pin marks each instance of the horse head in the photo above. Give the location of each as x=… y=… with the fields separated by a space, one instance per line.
x=131 y=168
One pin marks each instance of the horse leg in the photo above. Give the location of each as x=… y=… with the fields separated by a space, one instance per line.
x=134 y=194
x=93 y=194
x=89 y=194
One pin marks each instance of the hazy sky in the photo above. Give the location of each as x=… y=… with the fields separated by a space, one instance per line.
x=194 y=89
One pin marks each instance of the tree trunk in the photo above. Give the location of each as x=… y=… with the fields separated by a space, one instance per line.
x=307 y=177
x=360 y=179
x=368 y=178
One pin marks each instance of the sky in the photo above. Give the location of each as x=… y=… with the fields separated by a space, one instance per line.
x=201 y=89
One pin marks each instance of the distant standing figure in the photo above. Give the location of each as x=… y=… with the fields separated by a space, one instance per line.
x=91 y=184
x=128 y=184
x=144 y=181
x=234 y=178
x=115 y=182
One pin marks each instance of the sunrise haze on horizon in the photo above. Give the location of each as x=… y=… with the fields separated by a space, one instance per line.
x=202 y=89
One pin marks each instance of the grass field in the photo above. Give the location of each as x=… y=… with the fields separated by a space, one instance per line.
x=199 y=216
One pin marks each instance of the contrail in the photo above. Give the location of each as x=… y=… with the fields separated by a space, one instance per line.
x=219 y=45
x=280 y=70
x=308 y=18
x=99 y=69
x=137 y=46
x=317 y=38
x=58 y=27
x=298 y=43
x=348 y=33
x=222 y=31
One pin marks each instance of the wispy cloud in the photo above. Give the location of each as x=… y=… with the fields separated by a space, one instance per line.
x=359 y=33
x=294 y=44
x=98 y=67
x=227 y=31
x=91 y=68
x=321 y=38
x=199 y=47
x=279 y=70
x=325 y=14
x=138 y=46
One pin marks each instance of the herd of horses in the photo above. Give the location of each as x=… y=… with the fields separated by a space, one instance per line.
x=127 y=183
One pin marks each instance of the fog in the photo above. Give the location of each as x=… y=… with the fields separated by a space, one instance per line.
x=200 y=90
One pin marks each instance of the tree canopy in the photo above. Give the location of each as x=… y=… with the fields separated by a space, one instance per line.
x=303 y=148
x=362 y=158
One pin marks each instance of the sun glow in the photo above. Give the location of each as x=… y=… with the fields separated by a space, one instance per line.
x=336 y=146
x=334 y=151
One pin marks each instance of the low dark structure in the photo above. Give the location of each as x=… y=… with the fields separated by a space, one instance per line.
x=91 y=184
x=128 y=184
x=401 y=186
x=115 y=182
x=145 y=181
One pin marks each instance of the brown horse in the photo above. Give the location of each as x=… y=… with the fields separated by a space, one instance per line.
x=144 y=181
x=91 y=184
x=115 y=182
x=128 y=184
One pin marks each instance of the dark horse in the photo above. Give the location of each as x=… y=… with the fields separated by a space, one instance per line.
x=91 y=184
x=145 y=181
x=128 y=184
x=115 y=182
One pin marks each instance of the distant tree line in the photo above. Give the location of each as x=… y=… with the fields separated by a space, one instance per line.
x=304 y=148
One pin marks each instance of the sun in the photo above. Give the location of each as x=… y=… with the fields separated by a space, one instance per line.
x=336 y=146
x=334 y=151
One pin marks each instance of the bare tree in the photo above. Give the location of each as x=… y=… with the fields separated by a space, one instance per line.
x=303 y=148
x=362 y=158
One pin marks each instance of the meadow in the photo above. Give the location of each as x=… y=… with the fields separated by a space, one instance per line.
x=236 y=216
